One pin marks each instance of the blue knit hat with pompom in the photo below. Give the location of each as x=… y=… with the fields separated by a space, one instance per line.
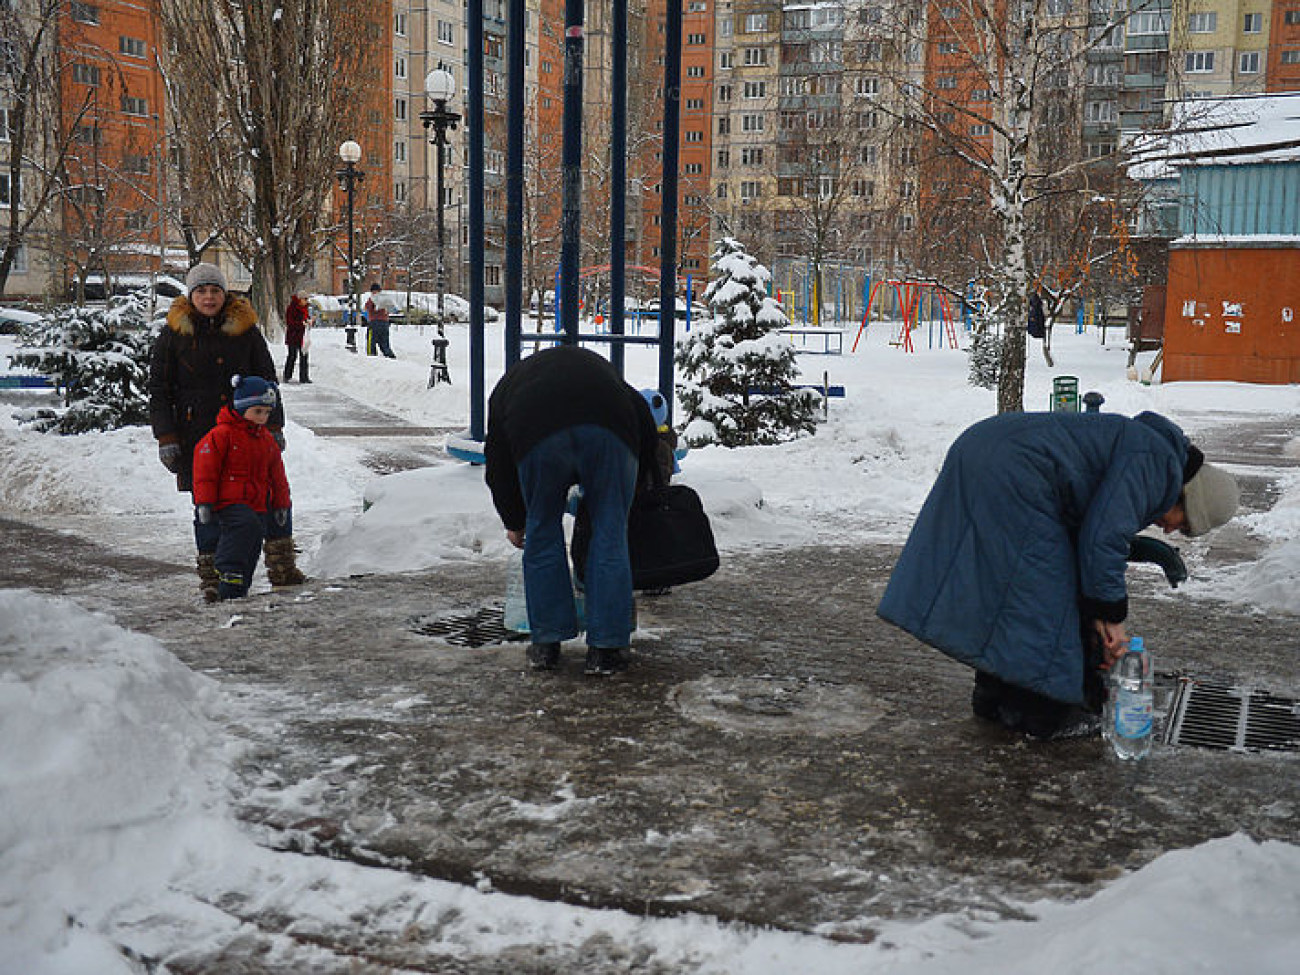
x=252 y=391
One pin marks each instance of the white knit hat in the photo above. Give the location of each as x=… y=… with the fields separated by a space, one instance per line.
x=1209 y=499
x=201 y=274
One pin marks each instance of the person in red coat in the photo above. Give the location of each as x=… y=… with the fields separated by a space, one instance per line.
x=240 y=484
x=297 y=319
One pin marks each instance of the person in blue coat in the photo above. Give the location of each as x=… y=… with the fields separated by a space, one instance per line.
x=1016 y=562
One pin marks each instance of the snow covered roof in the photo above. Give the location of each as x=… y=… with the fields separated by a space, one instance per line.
x=1222 y=131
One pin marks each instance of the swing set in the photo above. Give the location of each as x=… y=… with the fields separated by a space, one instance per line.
x=914 y=298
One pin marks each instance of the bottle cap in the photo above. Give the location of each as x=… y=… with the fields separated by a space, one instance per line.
x=1135 y=645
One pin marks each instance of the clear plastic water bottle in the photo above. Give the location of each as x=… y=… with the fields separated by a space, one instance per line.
x=1129 y=706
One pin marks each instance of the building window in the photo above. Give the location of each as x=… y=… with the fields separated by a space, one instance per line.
x=697 y=7
x=4 y=124
x=722 y=191
x=399 y=23
x=694 y=169
x=6 y=192
x=1291 y=17
x=1252 y=24
x=749 y=190
x=697 y=39
x=492 y=275
x=399 y=191
x=1205 y=22
x=1249 y=63
x=982 y=95
x=724 y=125
x=694 y=136
x=867 y=87
x=751 y=122
x=724 y=158
x=399 y=151
x=869 y=155
x=83 y=13
x=980 y=128
x=755 y=56
x=86 y=74
x=136 y=221
x=755 y=89
x=724 y=93
x=726 y=59
x=1199 y=62
x=755 y=23
x=695 y=71
x=948 y=47
x=132 y=46
x=751 y=157
x=1100 y=111
x=864 y=189
x=136 y=164
x=694 y=104
x=399 y=109
x=1291 y=57
x=399 y=67
x=446 y=32
x=134 y=106
x=1151 y=22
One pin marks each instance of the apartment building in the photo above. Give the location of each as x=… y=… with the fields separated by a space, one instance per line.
x=1221 y=46
x=1282 y=72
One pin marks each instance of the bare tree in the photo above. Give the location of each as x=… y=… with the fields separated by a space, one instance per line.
x=264 y=92
x=41 y=133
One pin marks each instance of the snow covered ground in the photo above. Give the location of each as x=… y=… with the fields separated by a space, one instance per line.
x=115 y=818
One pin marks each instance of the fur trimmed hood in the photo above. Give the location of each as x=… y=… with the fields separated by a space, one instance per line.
x=237 y=317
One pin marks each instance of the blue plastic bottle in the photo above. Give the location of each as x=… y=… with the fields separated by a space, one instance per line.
x=1129 y=706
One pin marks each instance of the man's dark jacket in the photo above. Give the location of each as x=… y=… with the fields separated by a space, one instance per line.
x=549 y=391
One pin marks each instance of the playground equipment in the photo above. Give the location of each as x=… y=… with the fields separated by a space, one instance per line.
x=912 y=298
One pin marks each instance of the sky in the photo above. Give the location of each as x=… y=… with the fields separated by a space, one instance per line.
x=116 y=822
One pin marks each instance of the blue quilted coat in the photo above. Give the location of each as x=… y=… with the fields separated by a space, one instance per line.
x=1027 y=527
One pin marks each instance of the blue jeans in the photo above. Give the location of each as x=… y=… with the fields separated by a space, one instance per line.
x=605 y=467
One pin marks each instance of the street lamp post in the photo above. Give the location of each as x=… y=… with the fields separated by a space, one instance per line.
x=439 y=87
x=348 y=177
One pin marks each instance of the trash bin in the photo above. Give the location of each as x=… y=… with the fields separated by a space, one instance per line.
x=1065 y=394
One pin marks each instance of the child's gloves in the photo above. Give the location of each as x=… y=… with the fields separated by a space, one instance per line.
x=203 y=512
x=170 y=455
x=281 y=516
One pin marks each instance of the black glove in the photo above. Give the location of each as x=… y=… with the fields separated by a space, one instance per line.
x=278 y=437
x=203 y=512
x=281 y=516
x=170 y=455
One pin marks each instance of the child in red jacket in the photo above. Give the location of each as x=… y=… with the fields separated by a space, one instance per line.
x=239 y=481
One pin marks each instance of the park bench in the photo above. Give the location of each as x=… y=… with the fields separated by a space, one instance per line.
x=829 y=336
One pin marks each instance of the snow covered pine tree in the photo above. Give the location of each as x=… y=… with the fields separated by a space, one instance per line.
x=99 y=357
x=737 y=371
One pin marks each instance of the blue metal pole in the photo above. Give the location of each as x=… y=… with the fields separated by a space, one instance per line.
x=474 y=84
x=515 y=182
x=571 y=167
x=668 y=199
x=618 y=183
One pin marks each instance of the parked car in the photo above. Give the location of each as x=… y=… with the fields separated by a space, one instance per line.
x=163 y=285
x=14 y=320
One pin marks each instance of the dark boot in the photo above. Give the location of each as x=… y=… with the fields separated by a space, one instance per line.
x=281 y=567
x=209 y=581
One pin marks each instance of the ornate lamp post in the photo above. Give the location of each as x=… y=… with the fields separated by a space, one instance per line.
x=348 y=177
x=440 y=88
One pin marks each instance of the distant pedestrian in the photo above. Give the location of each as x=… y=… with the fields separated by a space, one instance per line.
x=297 y=320
x=1037 y=322
x=558 y=418
x=378 y=308
x=210 y=337
x=240 y=486
x=1016 y=562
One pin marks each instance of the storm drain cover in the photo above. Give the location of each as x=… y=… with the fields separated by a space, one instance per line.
x=474 y=629
x=1206 y=714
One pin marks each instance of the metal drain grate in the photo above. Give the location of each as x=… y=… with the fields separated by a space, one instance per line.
x=476 y=629
x=1205 y=714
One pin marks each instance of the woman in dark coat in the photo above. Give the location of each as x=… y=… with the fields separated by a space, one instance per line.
x=1018 y=556
x=296 y=319
x=210 y=337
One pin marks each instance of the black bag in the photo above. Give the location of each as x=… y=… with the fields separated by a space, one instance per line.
x=669 y=539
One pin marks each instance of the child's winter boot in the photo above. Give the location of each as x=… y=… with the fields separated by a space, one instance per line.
x=209 y=581
x=281 y=567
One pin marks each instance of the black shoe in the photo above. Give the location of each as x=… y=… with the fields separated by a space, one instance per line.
x=544 y=656
x=986 y=698
x=605 y=660
x=305 y=382
x=1071 y=722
